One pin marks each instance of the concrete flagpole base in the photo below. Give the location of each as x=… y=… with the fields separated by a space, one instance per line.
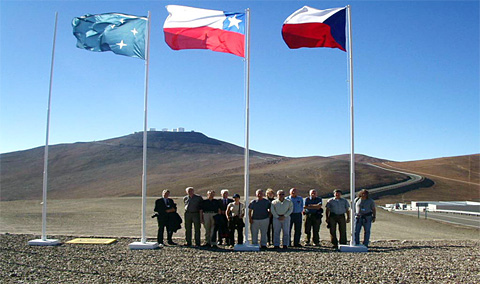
x=246 y=246
x=352 y=248
x=146 y=245
x=47 y=242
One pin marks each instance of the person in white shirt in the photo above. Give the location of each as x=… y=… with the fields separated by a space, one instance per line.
x=281 y=210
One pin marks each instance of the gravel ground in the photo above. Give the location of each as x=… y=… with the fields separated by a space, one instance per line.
x=121 y=217
x=452 y=261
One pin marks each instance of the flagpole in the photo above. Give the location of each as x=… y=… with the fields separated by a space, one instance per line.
x=44 y=241
x=353 y=247
x=143 y=244
x=247 y=123
x=352 y=132
x=144 y=175
x=246 y=245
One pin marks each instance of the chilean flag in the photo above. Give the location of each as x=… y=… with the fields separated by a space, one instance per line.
x=195 y=28
x=309 y=27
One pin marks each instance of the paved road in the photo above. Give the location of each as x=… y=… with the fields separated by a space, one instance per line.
x=457 y=219
x=413 y=180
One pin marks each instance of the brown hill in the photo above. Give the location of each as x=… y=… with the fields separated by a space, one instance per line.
x=360 y=158
x=113 y=168
x=455 y=178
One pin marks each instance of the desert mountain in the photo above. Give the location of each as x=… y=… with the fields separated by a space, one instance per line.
x=113 y=168
x=359 y=158
x=455 y=178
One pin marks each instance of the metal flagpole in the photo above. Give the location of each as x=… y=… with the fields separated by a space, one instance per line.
x=144 y=244
x=352 y=132
x=44 y=241
x=246 y=245
x=247 y=123
x=353 y=247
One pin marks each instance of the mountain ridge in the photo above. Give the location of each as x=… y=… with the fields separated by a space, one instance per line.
x=113 y=168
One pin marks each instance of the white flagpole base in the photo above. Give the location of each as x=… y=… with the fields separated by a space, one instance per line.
x=146 y=245
x=350 y=248
x=47 y=242
x=246 y=247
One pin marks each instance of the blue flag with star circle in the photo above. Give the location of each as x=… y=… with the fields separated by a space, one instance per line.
x=120 y=33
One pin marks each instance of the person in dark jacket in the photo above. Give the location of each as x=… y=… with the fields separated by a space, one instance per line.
x=164 y=208
x=222 y=227
x=210 y=208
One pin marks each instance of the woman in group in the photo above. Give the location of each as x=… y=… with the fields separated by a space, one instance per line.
x=235 y=213
x=271 y=197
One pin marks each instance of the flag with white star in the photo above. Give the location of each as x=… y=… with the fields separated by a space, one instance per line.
x=120 y=33
x=197 y=28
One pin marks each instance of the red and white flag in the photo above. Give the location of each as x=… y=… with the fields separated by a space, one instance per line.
x=309 y=27
x=195 y=28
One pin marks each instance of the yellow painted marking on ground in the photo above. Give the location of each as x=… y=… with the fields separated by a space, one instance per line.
x=91 y=241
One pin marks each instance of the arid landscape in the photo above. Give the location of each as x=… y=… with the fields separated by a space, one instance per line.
x=112 y=168
x=99 y=183
x=94 y=190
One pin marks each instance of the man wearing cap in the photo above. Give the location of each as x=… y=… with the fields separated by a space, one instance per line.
x=281 y=210
x=192 y=215
x=235 y=213
x=296 y=216
x=336 y=209
x=313 y=217
x=365 y=214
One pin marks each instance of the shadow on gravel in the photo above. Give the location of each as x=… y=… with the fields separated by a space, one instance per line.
x=280 y=250
x=403 y=248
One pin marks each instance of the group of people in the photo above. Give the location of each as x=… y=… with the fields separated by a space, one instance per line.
x=272 y=215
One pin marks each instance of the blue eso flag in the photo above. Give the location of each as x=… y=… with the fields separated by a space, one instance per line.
x=120 y=33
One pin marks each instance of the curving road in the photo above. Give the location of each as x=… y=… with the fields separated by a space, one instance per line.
x=414 y=179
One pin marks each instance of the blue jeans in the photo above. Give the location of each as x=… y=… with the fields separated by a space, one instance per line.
x=296 y=221
x=366 y=223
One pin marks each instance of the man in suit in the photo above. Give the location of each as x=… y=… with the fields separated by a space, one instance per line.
x=223 y=232
x=164 y=206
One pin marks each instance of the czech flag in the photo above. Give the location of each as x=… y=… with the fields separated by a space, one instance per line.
x=309 y=27
x=195 y=28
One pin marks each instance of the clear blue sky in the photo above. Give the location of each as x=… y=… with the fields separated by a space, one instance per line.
x=416 y=81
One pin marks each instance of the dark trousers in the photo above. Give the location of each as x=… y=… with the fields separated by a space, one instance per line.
x=312 y=227
x=236 y=224
x=342 y=227
x=162 y=225
x=296 y=220
x=223 y=230
x=270 y=231
x=192 y=219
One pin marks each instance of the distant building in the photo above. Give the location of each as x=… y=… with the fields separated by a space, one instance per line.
x=153 y=129
x=180 y=129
